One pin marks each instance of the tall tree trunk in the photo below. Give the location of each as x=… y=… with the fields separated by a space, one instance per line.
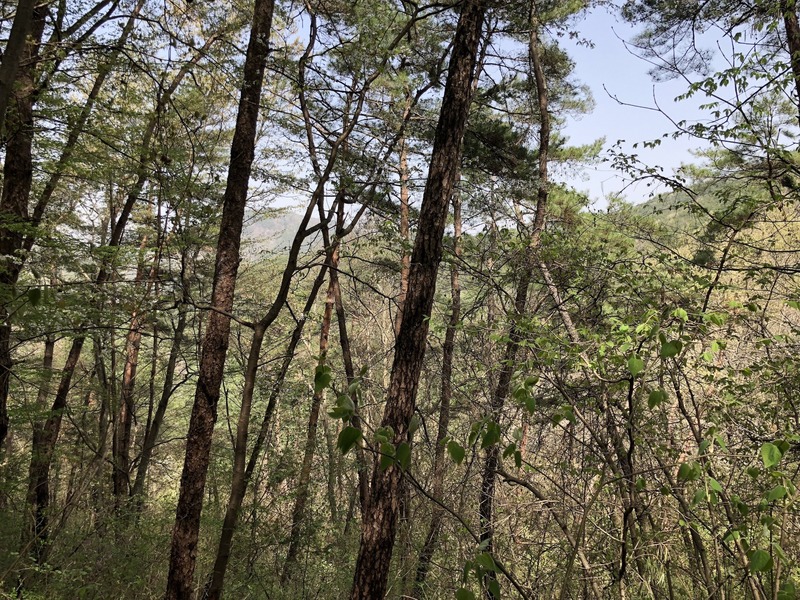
x=44 y=442
x=13 y=54
x=448 y=350
x=350 y=374
x=379 y=523
x=792 y=27
x=167 y=390
x=486 y=501
x=186 y=531
x=304 y=478
x=17 y=181
x=121 y=448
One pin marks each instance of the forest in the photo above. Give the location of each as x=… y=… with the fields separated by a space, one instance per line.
x=305 y=300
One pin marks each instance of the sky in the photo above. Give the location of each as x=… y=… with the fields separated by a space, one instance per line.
x=614 y=74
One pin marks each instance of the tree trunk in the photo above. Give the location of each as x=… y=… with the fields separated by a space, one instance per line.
x=121 y=448
x=379 y=523
x=167 y=390
x=44 y=442
x=448 y=350
x=792 y=27
x=17 y=181
x=304 y=479
x=486 y=501
x=186 y=531
x=13 y=54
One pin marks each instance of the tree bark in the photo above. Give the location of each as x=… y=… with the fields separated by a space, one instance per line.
x=186 y=531
x=304 y=478
x=13 y=54
x=446 y=395
x=17 y=181
x=486 y=500
x=792 y=27
x=379 y=523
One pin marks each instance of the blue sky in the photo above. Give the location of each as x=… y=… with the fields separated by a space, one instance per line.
x=610 y=69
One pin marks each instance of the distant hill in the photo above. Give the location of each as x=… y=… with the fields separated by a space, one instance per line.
x=673 y=210
x=270 y=234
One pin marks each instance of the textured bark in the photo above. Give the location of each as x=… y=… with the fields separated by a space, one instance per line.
x=17 y=181
x=186 y=531
x=304 y=478
x=792 y=27
x=486 y=499
x=439 y=463
x=379 y=523
x=13 y=54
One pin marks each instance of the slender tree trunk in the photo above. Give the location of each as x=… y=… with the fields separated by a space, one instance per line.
x=350 y=374
x=448 y=351
x=405 y=234
x=38 y=431
x=379 y=523
x=122 y=432
x=44 y=442
x=486 y=501
x=167 y=390
x=186 y=531
x=304 y=479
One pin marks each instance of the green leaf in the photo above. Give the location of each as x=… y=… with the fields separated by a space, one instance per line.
x=492 y=435
x=776 y=493
x=322 y=378
x=714 y=485
x=788 y=591
x=403 y=455
x=494 y=589
x=35 y=296
x=387 y=455
x=699 y=496
x=760 y=561
x=455 y=451
x=344 y=408
x=771 y=455
x=518 y=459
x=384 y=434
x=348 y=437
x=464 y=594
x=413 y=425
x=656 y=397
x=669 y=349
x=688 y=472
x=635 y=365
x=486 y=562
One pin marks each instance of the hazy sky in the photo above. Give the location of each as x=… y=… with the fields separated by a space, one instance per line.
x=610 y=69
